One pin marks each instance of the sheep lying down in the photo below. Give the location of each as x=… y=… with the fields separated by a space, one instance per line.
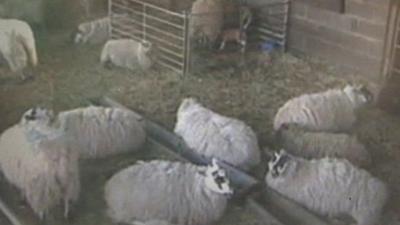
x=102 y=131
x=97 y=132
x=173 y=192
x=36 y=158
x=311 y=144
x=213 y=135
x=330 y=187
x=333 y=110
x=127 y=53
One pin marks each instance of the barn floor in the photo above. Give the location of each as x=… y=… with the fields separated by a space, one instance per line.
x=69 y=75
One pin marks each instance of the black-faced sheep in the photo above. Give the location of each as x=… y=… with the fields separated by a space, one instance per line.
x=17 y=45
x=36 y=158
x=100 y=131
x=213 y=135
x=313 y=144
x=329 y=187
x=128 y=53
x=179 y=193
x=92 y=32
x=333 y=110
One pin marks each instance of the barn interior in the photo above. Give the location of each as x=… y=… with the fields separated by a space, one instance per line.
x=326 y=44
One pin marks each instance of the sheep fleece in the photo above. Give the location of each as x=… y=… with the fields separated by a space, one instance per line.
x=214 y=135
x=170 y=191
x=101 y=131
x=126 y=53
x=333 y=187
x=17 y=44
x=325 y=111
x=309 y=144
x=40 y=165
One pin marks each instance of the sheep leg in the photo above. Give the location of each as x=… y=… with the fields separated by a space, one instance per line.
x=66 y=208
x=222 y=46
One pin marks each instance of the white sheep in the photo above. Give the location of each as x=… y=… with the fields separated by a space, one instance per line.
x=127 y=53
x=328 y=186
x=102 y=131
x=92 y=32
x=333 y=110
x=179 y=193
x=17 y=44
x=213 y=135
x=207 y=18
x=36 y=158
x=311 y=144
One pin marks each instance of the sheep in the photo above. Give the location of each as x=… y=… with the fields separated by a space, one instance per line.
x=36 y=159
x=175 y=192
x=17 y=45
x=329 y=186
x=331 y=111
x=213 y=135
x=207 y=20
x=309 y=144
x=128 y=53
x=101 y=131
x=92 y=32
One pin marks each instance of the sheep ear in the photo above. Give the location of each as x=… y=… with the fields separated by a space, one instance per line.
x=214 y=163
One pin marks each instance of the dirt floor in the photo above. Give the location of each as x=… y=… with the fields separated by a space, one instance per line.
x=69 y=75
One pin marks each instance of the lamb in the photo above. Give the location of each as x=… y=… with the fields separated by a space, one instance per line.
x=328 y=186
x=92 y=32
x=174 y=192
x=99 y=131
x=207 y=20
x=17 y=45
x=36 y=159
x=331 y=111
x=128 y=53
x=309 y=144
x=213 y=135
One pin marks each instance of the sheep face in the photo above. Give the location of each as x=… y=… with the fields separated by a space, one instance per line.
x=359 y=94
x=37 y=115
x=216 y=179
x=186 y=103
x=281 y=165
x=77 y=36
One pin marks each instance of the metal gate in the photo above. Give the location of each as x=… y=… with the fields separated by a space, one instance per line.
x=166 y=29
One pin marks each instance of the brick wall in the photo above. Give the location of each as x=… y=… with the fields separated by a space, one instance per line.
x=353 y=39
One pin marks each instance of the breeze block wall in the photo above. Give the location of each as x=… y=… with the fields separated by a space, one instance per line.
x=351 y=35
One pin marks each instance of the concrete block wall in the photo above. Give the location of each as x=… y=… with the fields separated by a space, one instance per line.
x=353 y=39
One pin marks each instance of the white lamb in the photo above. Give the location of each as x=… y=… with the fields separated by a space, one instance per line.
x=36 y=158
x=312 y=144
x=175 y=192
x=93 y=32
x=17 y=45
x=127 y=53
x=213 y=135
x=333 y=110
x=329 y=187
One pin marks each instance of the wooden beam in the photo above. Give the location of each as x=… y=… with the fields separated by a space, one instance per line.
x=331 y=5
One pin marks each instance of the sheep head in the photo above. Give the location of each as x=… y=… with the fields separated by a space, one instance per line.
x=215 y=179
x=281 y=164
x=358 y=94
x=37 y=116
